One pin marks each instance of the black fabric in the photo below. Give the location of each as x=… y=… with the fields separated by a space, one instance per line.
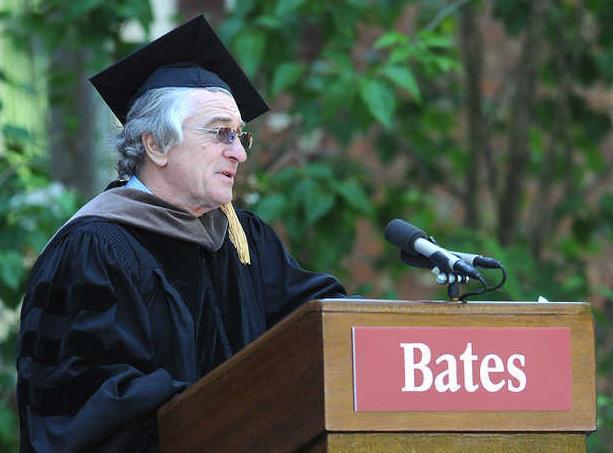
x=180 y=51
x=183 y=74
x=117 y=320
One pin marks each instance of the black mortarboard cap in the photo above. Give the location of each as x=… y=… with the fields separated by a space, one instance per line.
x=191 y=55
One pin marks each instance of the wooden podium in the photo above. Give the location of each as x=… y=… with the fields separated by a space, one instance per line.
x=293 y=388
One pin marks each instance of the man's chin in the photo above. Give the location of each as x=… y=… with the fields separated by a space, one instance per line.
x=224 y=200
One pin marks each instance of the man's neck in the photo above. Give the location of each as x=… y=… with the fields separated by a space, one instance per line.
x=160 y=189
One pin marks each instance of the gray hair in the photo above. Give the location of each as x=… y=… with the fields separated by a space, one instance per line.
x=159 y=111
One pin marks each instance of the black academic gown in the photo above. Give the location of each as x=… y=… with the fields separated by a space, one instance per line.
x=117 y=320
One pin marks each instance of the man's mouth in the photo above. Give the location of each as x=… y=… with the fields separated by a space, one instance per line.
x=228 y=174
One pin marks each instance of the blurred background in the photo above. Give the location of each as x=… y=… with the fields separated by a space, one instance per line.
x=486 y=123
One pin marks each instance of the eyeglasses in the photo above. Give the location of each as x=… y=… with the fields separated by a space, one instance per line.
x=227 y=135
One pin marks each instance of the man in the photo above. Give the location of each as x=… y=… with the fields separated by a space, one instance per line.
x=154 y=283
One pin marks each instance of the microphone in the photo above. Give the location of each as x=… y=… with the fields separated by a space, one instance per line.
x=478 y=260
x=413 y=241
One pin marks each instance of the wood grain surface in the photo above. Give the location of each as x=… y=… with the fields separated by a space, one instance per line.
x=292 y=389
x=449 y=443
x=339 y=319
x=270 y=394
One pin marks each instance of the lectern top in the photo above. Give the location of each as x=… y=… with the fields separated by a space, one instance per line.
x=423 y=306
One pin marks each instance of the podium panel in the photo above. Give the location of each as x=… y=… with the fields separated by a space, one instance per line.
x=338 y=321
x=448 y=443
x=293 y=388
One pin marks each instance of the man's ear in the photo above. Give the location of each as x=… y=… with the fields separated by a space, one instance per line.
x=155 y=154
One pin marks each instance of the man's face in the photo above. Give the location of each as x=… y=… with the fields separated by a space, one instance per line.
x=201 y=169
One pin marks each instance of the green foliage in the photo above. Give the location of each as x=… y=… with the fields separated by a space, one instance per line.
x=75 y=39
x=8 y=424
x=317 y=209
x=286 y=76
x=514 y=14
x=91 y=24
x=249 y=50
x=341 y=86
x=379 y=99
x=404 y=78
x=31 y=210
x=597 y=443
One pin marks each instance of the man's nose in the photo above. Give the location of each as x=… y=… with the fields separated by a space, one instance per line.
x=236 y=151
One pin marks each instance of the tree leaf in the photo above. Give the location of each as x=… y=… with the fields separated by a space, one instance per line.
x=269 y=22
x=271 y=207
x=432 y=39
x=317 y=203
x=379 y=99
x=404 y=78
x=445 y=64
x=285 y=76
x=355 y=196
x=8 y=422
x=401 y=54
x=139 y=10
x=243 y=9
x=319 y=170
x=249 y=49
x=230 y=28
x=285 y=7
x=15 y=133
x=80 y=8
x=11 y=268
x=390 y=38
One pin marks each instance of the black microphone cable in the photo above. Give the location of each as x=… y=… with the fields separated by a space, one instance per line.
x=485 y=288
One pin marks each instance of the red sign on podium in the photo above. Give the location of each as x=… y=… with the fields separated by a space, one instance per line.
x=418 y=369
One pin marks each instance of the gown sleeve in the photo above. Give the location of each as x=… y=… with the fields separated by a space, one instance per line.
x=286 y=285
x=86 y=375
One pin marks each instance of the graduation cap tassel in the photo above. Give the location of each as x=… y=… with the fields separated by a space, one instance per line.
x=237 y=234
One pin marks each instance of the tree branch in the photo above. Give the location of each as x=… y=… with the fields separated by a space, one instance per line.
x=541 y=213
x=444 y=13
x=471 y=44
x=520 y=120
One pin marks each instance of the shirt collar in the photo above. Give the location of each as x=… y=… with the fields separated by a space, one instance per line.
x=135 y=183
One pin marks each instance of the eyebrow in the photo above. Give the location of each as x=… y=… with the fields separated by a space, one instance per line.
x=222 y=119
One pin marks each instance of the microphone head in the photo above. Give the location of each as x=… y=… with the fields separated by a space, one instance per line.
x=403 y=235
